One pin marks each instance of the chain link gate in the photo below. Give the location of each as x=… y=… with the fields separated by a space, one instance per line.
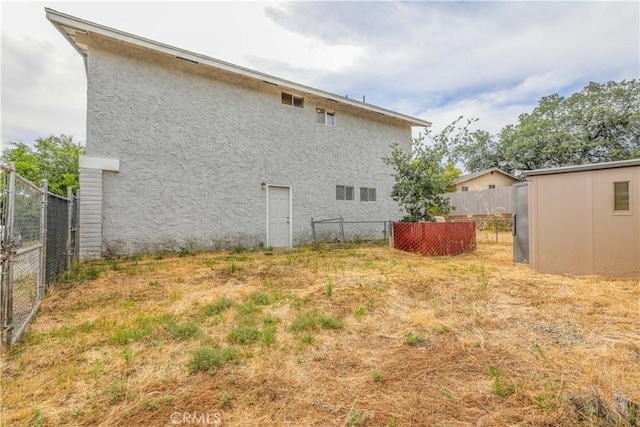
x=38 y=231
x=24 y=225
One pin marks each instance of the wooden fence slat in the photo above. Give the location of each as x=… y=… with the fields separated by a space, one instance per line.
x=496 y=201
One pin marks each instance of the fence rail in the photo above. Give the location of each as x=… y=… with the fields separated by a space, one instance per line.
x=38 y=233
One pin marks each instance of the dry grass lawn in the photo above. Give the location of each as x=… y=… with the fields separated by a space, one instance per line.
x=363 y=335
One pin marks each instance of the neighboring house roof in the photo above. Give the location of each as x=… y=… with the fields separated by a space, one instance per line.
x=470 y=176
x=580 y=168
x=71 y=26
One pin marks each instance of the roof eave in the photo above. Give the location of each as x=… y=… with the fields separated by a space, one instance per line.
x=581 y=168
x=61 y=20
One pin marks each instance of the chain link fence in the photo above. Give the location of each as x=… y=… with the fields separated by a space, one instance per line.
x=491 y=230
x=36 y=242
x=488 y=230
x=57 y=237
x=339 y=231
x=22 y=254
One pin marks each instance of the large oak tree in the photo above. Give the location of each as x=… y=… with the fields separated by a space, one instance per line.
x=597 y=124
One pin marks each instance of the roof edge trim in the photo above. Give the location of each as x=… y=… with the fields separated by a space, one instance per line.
x=581 y=168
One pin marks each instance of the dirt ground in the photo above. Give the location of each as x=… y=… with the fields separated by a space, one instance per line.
x=363 y=335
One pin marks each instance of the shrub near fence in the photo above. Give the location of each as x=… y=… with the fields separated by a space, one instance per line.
x=435 y=238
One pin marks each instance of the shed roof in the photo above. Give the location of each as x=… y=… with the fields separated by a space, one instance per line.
x=470 y=176
x=588 y=167
x=69 y=26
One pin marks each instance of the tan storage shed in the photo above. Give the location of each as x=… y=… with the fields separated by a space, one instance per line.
x=586 y=219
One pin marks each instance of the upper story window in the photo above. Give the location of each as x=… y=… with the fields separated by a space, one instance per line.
x=289 y=99
x=325 y=117
x=491 y=186
x=464 y=188
x=367 y=194
x=344 y=192
x=621 y=197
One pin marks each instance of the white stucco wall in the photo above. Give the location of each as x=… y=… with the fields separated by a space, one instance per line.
x=195 y=144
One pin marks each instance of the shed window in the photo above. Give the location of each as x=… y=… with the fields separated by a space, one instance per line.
x=344 y=192
x=492 y=186
x=621 y=196
x=289 y=99
x=367 y=194
x=464 y=188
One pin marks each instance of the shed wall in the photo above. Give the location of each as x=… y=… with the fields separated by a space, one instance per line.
x=574 y=229
x=195 y=144
x=616 y=236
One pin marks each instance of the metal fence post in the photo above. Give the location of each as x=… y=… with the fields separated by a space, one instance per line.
x=69 y=225
x=313 y=233
x=43 y=236
x=76 y=230
x=7 y=265
x=342 y=229
x=495 y=223
x=384 y=231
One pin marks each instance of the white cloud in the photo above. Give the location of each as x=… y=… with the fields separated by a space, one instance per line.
x=39 y=96
x=439 y=60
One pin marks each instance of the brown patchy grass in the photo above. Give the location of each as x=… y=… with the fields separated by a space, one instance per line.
x=496 y=344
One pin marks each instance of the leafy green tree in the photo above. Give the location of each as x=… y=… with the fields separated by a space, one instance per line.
x=451 y=173
x=600 y=123
x=420 y=177
x=54 y=158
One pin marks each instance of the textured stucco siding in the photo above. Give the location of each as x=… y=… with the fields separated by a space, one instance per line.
x=195 y=144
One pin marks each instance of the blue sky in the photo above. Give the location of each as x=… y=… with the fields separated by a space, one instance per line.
x=434 y=60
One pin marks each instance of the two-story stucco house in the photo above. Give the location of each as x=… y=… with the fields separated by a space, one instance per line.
x=184 y=149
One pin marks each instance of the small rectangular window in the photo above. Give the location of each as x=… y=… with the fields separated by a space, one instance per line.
x=344 y=192
x=289 y=99
x=349 y=193
x=319 y=116
x=325 y=117
x=331 y=119
x=367 y=194
x=621 y=196
x=464 y=188
x=491 y=186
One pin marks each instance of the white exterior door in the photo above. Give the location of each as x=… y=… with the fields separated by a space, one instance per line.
x=278 y=216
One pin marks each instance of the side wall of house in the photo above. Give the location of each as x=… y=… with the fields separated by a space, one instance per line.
x=195 y=145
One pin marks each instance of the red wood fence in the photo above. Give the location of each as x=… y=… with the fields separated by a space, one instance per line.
x=435 y=238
